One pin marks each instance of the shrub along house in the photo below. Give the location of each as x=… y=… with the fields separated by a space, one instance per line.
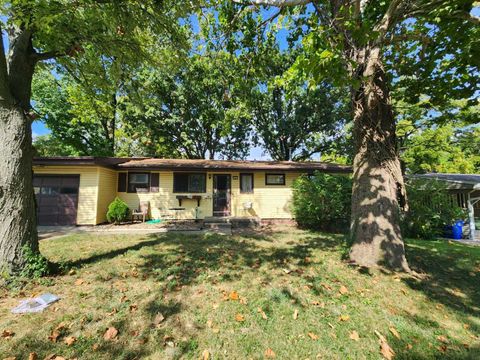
x=78 y=190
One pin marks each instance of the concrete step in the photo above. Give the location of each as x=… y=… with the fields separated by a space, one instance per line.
x=218 y=228
x=216 y=220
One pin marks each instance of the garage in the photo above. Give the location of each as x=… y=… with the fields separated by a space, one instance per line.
x=57 y=199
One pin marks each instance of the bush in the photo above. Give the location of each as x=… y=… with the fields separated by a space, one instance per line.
x=36 y=265
x=118 y=211
x=431 y=209
x=322 y=202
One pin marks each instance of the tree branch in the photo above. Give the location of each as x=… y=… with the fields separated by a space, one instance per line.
x=277 y=3
x=4 y=88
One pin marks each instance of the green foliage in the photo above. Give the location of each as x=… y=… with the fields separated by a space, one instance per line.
x=118 y=211
x=51 y=145
x=36 y=265
x=443 y=149
x=431 y=208
x=322 y=201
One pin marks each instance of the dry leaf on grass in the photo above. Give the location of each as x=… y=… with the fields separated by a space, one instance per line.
x=343 y=290
x=312 y=336
x=133 y=307
x=53 y=337
x=295 y=314
x=269 y=353
x=264 y=316
x=442 y=339
x=344 y=318
x=7 y=334
x=354 y=336
x=79 y=282
x=233 y=295
x=386 y=350
x=32 y=356
x=158 y=319
x=110 y=334
x=206 y=355
x=239 y=317
x=70 y=340
x=394 y=332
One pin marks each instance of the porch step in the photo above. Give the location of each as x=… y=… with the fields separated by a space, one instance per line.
x=218 y=227
x=216 y=220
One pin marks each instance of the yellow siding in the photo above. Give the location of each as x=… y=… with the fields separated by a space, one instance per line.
x=165 y=199
x=98 y=187
x=87 y=195
x=107 y=189
x=269 y=201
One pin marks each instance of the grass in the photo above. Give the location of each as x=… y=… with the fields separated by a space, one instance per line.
x=193 y=282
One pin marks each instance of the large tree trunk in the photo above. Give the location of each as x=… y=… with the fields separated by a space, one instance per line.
x=17 y=201
x=17 y=204
x=378 y=189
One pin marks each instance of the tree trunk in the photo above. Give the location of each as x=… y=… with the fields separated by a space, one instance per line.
x=378 y=189
x=17 y=204
x=17 y=200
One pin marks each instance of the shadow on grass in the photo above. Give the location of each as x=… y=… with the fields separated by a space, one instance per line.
x=450 y=275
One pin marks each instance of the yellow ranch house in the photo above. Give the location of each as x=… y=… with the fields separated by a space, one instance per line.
x=78 y=190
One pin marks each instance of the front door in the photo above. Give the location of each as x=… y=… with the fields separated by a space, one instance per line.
x=221 y=195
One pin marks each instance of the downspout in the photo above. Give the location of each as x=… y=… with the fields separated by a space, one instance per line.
x=471 y=215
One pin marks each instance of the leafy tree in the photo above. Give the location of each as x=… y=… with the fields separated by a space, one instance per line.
x=365 y=44
x=50 y=145
x=440 y=150
x=294 y=121
x=197 y=112
x=59 y=30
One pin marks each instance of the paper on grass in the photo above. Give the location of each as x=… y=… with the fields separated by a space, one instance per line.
x=35 y=304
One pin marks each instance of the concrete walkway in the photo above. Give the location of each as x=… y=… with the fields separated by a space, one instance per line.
x=46 y=232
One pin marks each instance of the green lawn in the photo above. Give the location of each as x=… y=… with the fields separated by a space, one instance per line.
x=238 y=296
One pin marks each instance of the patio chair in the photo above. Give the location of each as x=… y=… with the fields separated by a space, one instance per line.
x=141 y=212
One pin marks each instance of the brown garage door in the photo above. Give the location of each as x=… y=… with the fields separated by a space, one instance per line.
x=57 y=199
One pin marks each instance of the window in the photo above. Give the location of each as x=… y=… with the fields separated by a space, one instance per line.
x=274 y=179
x=138 y=182
x=189 y=183
x=246 y=183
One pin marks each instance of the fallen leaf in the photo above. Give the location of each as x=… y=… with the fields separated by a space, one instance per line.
x=7 y=334
x=54 y=336
x=269 y=353
x=409 y=347
x=287 y=271
x=133 y=307
x=114 y=311
x=443 y=348
x=95 y=347
x=313 y=336
x=344 y=318
x=354 y=336
x=343 y=290
x=70 y=340
x=233 y=295
x=239 y=317
x=110 y=334
x=206 y=355
x=79 y=282
x=295 y=314
x=264 y=316
x=32 y=356
x=394 y=332
x=442 y=339
x=386 y=350
x=243 y=301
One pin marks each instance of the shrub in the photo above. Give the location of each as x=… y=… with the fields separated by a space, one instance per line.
x=36 y=265
x=322 y=202
x=431 y=209
x=118 y=211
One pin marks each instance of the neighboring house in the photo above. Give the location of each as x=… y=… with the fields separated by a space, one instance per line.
x=78 y=190
x=466 y=190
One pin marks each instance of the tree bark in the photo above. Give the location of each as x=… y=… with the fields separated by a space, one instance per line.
x=378 y=189
x=17 y=200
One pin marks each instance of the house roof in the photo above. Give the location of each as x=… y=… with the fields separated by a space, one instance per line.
x=455 y=181
x=194 y=164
